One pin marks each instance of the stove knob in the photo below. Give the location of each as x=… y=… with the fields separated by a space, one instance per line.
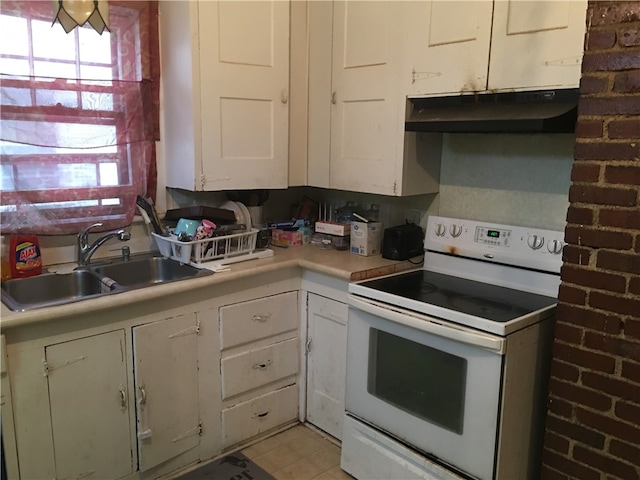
x=535 y=242
x=441 y=229
x=455 y=230
x=555 y=246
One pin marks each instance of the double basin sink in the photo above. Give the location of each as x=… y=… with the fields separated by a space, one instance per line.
x=93 y=281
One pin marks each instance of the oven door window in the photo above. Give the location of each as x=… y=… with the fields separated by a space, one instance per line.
x=423 y=381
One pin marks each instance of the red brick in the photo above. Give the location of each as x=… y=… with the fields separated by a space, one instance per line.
x=556 y=442
x=632 y=328
x=616 y=304
x=624 y=129
x=589 y=128
x=610 y=13
x=564 y=371
x=568 y=333
x=605 y=463
x=574 y=295
x=624 y=197
x=627 y=82
x=607 y=151
x=612 y=345
x=572 y=468
x=609 y=385
x=622 y=105
x=629 y=37
x=593 y=279
x=585 y=172
x=600 y=40
x=560 y=407
x=547 y=473
x=608 y=425
x=628 y=411
x=572 y=430
x=587 y=318
x=624 y=450
x=579 y=215
x=584 y=358
x=609 y=61
x=620 y=262
x=576 y=255
x=587 y=237
x=576 y=394
x=634 y=286
x=631 y=371
x=624 y=174
x=621 y=218
x=593 y=84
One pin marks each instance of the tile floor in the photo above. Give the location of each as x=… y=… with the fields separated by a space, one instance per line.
x=299 y=453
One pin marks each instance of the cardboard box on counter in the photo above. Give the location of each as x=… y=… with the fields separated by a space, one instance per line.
x=290 y=238
x=366 y=238
x=333 y=228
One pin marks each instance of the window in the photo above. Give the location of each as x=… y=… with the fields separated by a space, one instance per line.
x=79 y=118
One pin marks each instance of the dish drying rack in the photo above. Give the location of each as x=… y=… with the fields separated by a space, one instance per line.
x=225 y=249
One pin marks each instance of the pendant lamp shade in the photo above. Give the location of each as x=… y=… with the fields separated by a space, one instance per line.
x=73 y=13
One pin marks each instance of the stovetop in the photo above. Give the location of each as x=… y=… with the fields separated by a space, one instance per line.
x=489 y=302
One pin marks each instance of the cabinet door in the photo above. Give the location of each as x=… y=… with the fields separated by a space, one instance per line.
x=90 y=415
x=537 y=43
x=326 y=363
x=367 y=123
x=166 y=380
x=446 y=46
x=244 y=76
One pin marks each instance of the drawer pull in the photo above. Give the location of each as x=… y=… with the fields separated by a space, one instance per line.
x=261 y=415
x=262 y=366
x=262 y=318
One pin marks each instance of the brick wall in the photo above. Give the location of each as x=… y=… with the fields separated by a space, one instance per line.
x=593 y=423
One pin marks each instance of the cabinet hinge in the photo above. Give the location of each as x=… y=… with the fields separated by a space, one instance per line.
x=203 y=180
x=395 y=187
x=45 y=367
x=187 y=331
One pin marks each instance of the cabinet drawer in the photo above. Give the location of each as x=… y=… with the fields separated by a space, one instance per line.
x=256 y=368
x=246 y=420
x=261 y=318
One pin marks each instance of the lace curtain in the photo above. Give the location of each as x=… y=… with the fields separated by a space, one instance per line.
x=80 y=117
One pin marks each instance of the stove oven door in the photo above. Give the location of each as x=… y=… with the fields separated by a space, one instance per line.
x=430 y=384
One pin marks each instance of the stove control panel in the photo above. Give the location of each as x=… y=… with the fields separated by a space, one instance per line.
x=511 y=245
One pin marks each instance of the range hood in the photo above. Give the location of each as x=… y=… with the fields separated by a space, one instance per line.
x=543 y=111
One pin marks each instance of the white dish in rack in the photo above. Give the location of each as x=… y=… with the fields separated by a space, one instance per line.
x=245 y=214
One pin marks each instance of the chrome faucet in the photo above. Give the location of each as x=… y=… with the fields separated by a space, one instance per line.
x=85 y=251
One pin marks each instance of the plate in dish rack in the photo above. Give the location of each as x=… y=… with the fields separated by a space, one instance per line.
x=235 y=208
x=245 y=214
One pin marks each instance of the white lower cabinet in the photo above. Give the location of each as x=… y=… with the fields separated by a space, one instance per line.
x=166 y=384
x=259 y=366
x=326 y=363
x=89 y=407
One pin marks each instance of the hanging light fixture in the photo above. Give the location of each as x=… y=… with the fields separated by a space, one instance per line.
x=73 y=13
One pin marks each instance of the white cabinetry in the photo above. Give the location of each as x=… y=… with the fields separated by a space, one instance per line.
x=91 y=421
x=226 y=94
x=166 y=384
x=326 y=363
x=259 y=365
x=474 y=46
x=368 y=150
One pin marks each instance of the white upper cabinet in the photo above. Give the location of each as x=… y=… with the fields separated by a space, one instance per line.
x=473 y=46
x=536 y=44
x=226 y=92
x=446 y=46
x=362 y=101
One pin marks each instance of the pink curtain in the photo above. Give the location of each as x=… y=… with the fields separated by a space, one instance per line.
x=80 y=117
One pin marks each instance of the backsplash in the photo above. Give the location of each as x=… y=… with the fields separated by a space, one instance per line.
x=516 y=179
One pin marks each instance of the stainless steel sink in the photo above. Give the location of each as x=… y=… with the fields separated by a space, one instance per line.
x=94 y=281
x=51 y=289
x=148 y=271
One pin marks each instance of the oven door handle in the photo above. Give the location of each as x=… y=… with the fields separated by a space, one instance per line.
x=429 y=325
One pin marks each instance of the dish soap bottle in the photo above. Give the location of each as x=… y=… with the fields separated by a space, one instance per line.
x=24 y=256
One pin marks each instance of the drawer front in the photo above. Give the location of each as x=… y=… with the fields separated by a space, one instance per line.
x=246 y=420
x=261 y=318
x=256 y=368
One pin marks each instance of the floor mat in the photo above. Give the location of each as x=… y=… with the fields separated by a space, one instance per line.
x=235 y=466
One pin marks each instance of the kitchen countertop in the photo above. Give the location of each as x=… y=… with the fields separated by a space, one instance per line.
x=340 y=264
